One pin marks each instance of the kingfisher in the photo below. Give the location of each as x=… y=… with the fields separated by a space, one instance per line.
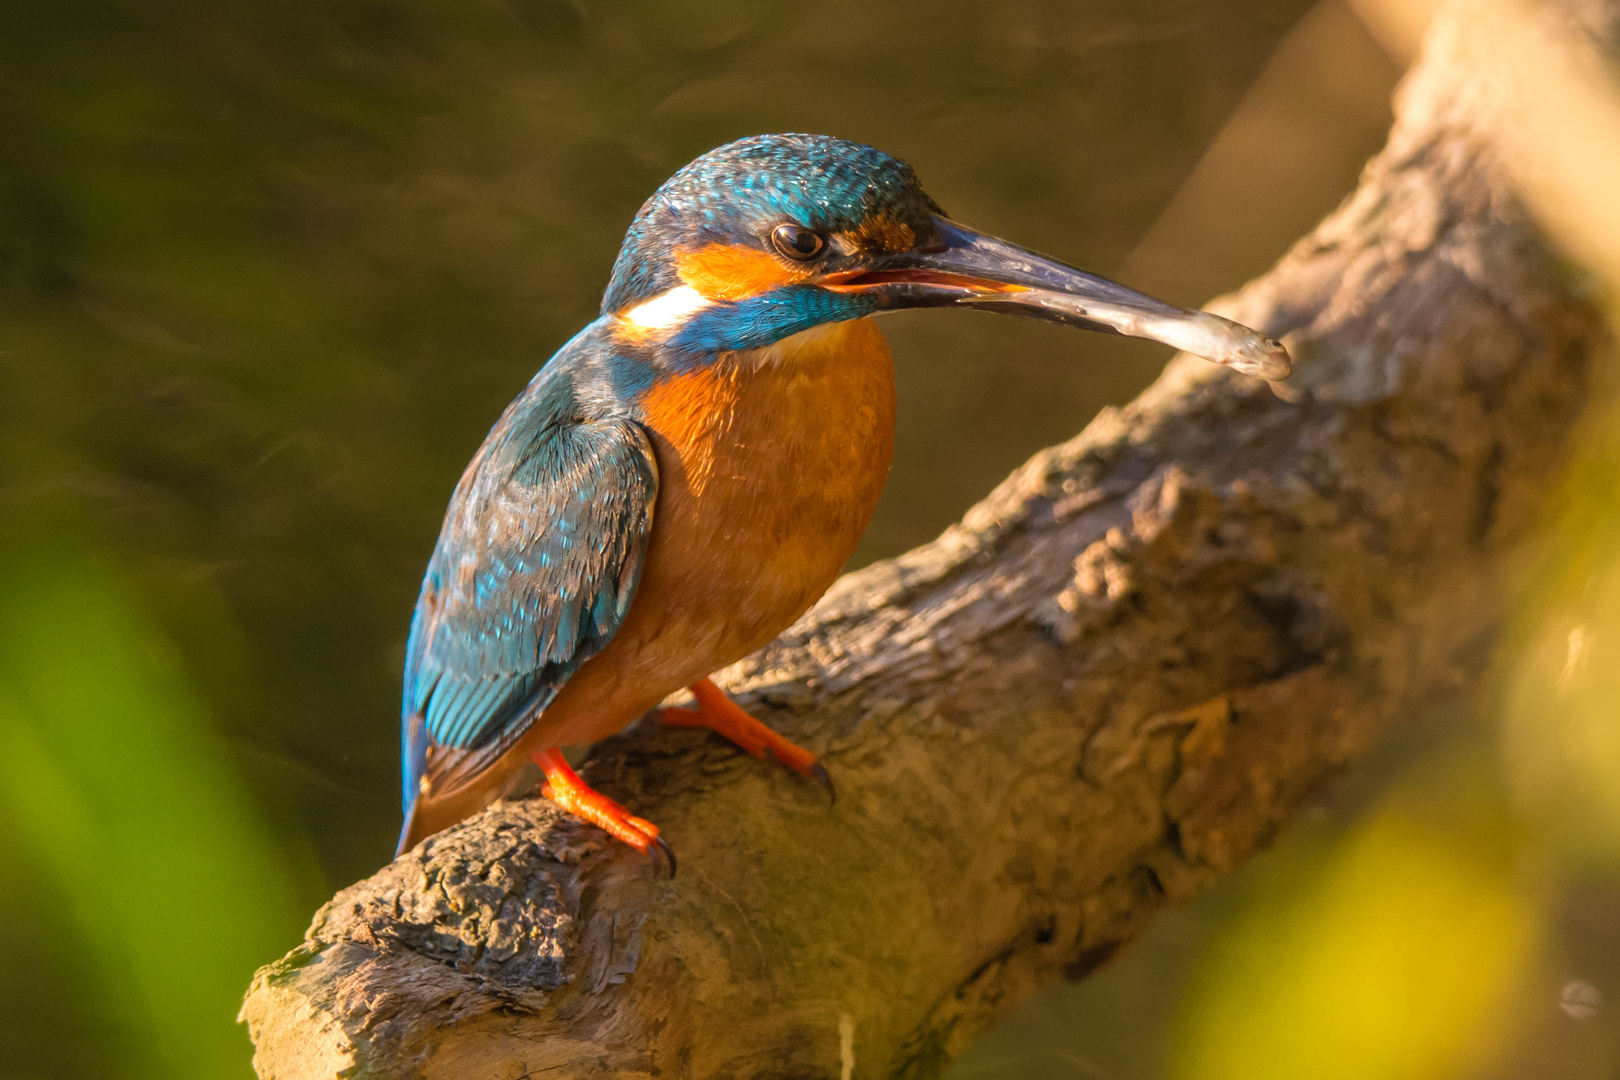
x=687 y=476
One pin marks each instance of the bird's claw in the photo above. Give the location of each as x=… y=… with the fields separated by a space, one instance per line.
x=659 y=847
x=818 y=773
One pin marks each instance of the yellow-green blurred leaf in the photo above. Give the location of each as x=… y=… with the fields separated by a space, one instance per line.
x=1393 y=963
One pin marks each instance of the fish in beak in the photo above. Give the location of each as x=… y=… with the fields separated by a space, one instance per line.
x=963 y=268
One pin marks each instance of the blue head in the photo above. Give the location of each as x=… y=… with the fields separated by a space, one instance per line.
x=752 y=227
x=775 y=234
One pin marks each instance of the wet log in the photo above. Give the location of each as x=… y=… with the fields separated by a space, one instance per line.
x=1112 y=682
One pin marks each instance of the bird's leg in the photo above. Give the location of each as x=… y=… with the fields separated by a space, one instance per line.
x=564 y=787
x=719 y=713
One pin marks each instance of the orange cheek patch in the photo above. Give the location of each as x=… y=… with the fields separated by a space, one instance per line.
x=728 y=272
x=882 y=233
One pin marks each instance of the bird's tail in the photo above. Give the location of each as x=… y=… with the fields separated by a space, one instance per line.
x=430 y=814
x=454 y=790
x=412 y=767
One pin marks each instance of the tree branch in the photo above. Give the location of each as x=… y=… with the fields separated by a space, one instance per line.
x=1112 y=682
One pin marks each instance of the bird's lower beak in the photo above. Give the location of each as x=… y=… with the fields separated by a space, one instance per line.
x=964 y=268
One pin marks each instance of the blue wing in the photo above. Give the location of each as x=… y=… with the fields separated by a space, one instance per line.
x=536 y=565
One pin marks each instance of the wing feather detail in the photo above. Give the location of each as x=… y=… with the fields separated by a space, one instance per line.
x=535 y=568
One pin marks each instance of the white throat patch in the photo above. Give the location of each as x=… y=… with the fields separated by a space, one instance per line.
x=667 y=310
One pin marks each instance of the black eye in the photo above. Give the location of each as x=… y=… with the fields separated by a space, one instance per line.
x=797 y=242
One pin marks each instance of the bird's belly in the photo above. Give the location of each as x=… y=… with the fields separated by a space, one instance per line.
x=769 y=470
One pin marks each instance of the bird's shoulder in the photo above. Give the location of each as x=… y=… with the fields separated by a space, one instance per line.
x=588 y=386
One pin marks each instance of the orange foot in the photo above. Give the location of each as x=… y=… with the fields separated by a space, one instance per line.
x=564 y=787
x=719 y=713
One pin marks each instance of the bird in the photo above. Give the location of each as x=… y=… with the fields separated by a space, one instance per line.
x=687 y=475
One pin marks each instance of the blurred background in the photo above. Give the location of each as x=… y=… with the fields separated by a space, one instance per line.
x=269 y=270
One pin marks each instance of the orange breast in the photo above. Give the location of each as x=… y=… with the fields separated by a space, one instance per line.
x=770 y=465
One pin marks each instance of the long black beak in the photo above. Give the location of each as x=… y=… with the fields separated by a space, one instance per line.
x=963 y=268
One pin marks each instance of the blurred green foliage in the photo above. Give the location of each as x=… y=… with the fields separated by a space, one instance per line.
x=133 y=842
x=1392 y=956
x=1561 y=690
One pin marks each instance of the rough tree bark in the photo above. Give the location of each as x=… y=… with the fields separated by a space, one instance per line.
x=1112 y=682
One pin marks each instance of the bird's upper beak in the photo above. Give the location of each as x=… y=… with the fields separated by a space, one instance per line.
x=964 y=268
